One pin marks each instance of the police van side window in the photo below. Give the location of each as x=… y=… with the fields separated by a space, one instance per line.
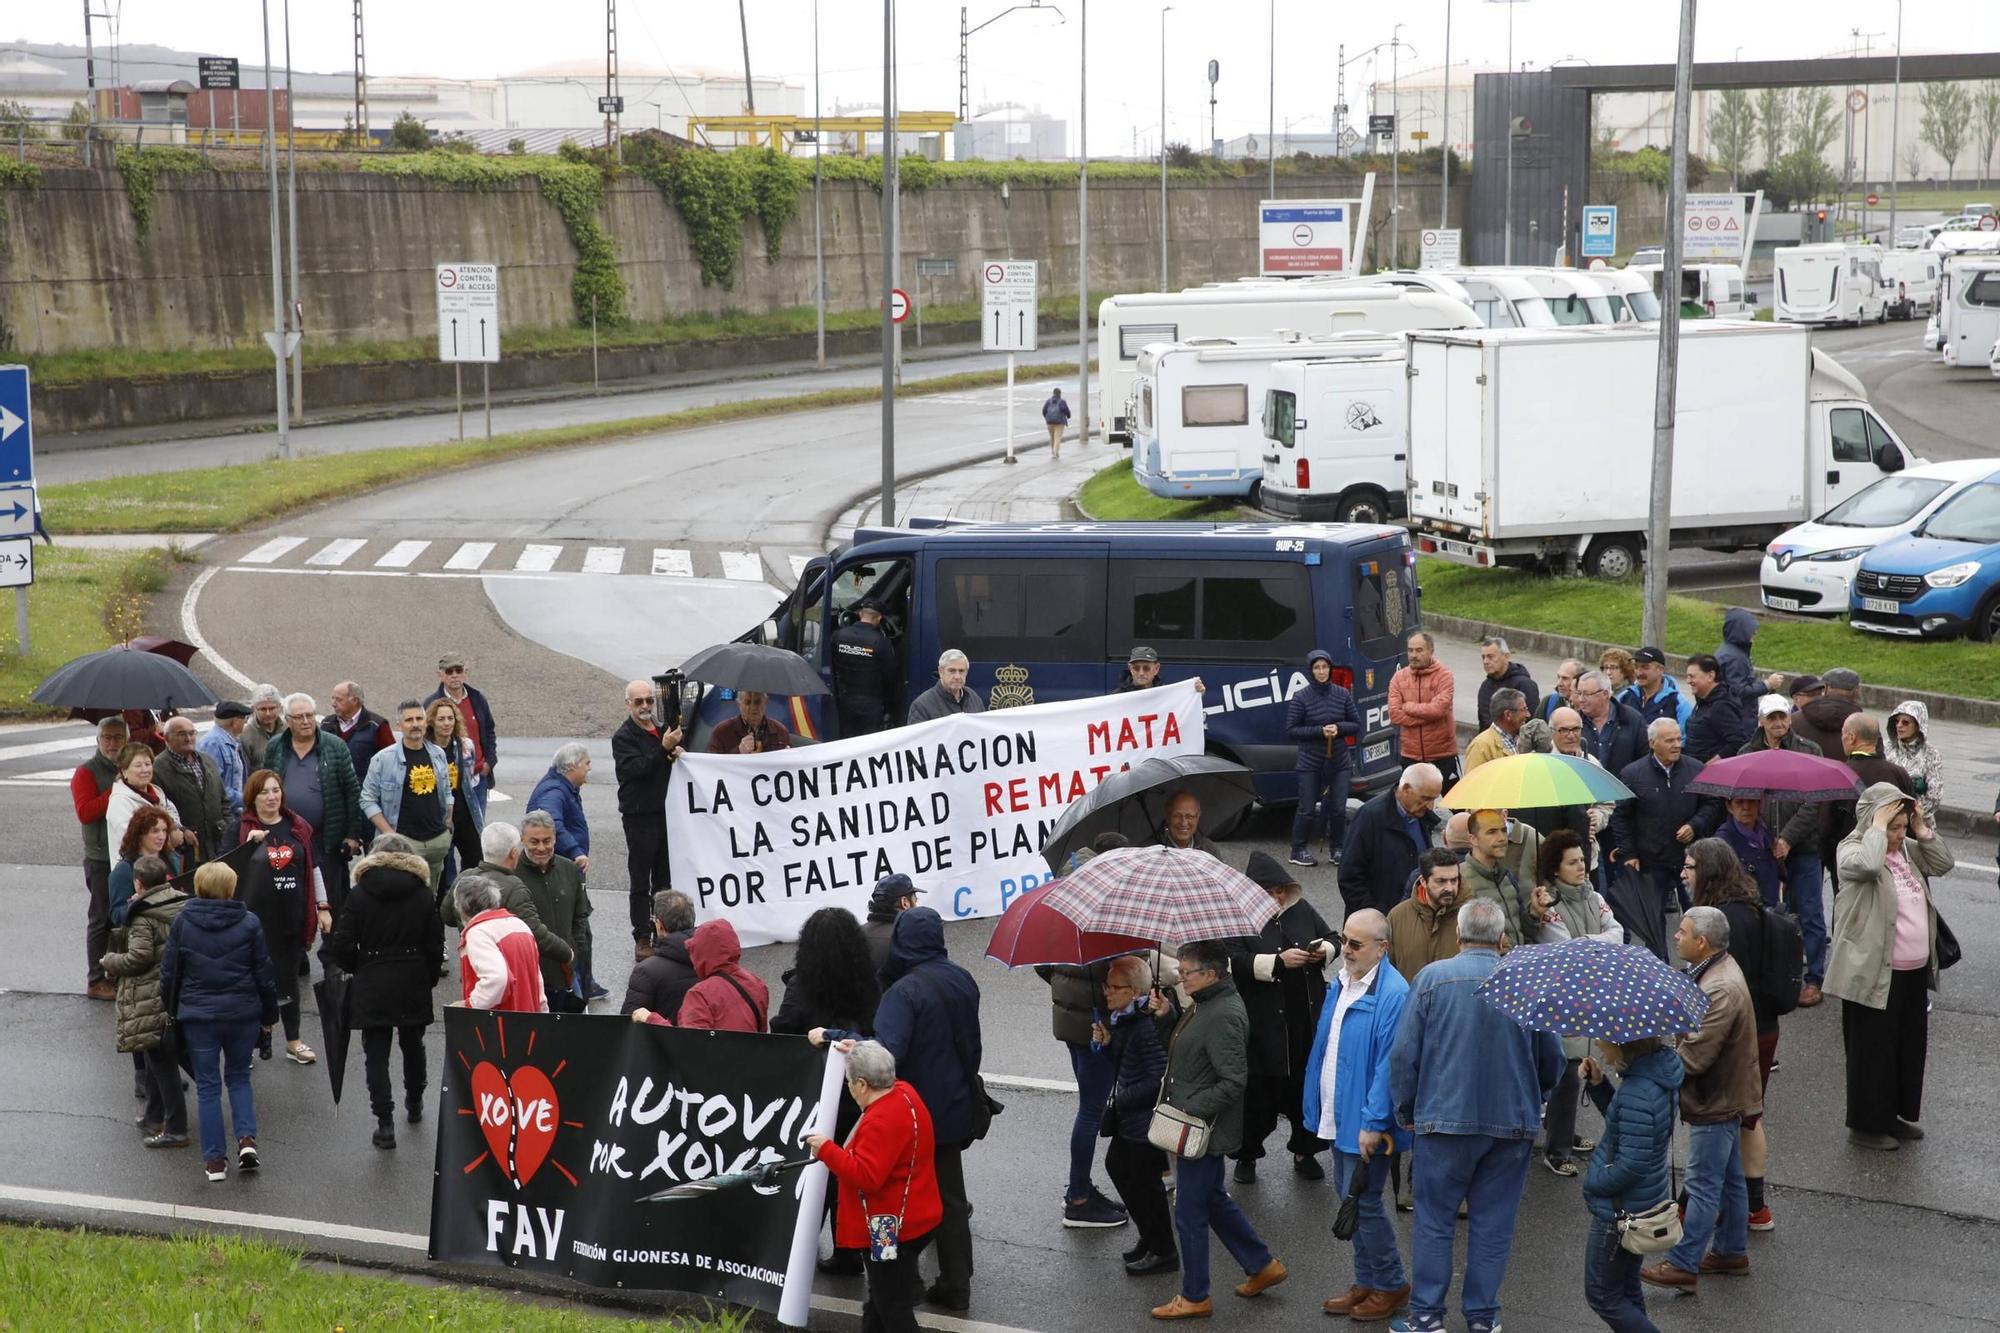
x=999 y=610
x=1382 y=611
x=1222 y=608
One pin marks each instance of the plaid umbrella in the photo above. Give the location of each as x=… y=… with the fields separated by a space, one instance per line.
x=1593 y=988
x=1031 y=933
x=1160 y=894
x=1785 y=773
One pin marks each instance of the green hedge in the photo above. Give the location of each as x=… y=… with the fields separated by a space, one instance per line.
x=141 y=169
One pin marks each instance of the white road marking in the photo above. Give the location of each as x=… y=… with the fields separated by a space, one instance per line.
x=272 y=549
x=538 y=559
x=743 y=566
x=469 y=556
x=397 y=1240
x=34 y=749
x=1026 y=1084
x=191 y=629
x=799 y=563
x=402 y=555
x=673 y=562
x=604 y=560
x=336 y=552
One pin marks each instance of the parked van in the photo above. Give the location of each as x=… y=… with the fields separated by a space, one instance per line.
x=1128 y=324
x=1835 y=283
x=1334 y=439
x=1050 y=611
x=1969 y=310
x=1910 y=282
x=1629 y=294
x=1717 y=290
x=1197 y=428
x=1504 y=298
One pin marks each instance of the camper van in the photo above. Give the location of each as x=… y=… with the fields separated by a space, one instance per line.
x=1718 y=290
x=1128 y=324
x=1197 y=427
x=1910 y=282
x=1835 y=283
x=1969 y=311
x=1629 y=294
x=1334 y=439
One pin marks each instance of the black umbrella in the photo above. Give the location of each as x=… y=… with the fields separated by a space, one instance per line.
x=123 y=677
x=1134 y=802
x=753 y=666
x=331 y=993
x=1636 y=904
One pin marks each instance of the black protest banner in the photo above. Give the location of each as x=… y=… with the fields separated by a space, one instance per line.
x=554 y=1128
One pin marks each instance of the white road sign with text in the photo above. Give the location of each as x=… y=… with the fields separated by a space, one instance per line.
x=1007 y=321
x=468 y=302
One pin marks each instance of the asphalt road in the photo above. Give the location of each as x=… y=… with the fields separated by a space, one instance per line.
x=1864 y=1242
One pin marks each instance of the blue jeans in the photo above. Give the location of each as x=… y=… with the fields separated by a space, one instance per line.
x=1488 y=1175
x=1200 y=1202
x=1377 y=1265
x=1093 y=1086
x=1611 y=1281
x=1718 y=1202
x=1805 y=892
x=221 y=1052
x=1322 y=807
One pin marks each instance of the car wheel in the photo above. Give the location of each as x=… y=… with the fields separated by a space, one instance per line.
x=1255 y=496
x=1612 y=558
x=1362 y=506
x=1986 y=624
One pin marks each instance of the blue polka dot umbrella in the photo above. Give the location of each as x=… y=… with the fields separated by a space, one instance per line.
x=1593 y=988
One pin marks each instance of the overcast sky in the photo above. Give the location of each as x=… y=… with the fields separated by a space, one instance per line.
x=1032 y=57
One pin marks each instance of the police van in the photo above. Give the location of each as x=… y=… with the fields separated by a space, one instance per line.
x=1049 y=611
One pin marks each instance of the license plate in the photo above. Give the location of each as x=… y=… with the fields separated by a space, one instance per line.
x=1881 y=604
x=1781 y=603
x=1379 y=750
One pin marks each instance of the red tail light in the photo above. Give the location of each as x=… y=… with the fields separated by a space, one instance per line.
x=1305 y=478
x=1710 y=305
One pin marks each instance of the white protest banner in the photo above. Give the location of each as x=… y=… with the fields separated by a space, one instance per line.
x=961 y=805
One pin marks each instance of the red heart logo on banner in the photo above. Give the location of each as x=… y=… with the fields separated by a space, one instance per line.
x=279 y=856
x=518 y=1118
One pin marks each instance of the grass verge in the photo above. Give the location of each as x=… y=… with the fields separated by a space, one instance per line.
x=1611 y=613
x=218 y=499
x=79 y=1279
x=82 y=600
x=1113 y=496
x=112 y=363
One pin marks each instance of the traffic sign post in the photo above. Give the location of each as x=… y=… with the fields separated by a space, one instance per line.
x=1600 y=231
x=1438 y=247
x=219 y=74
x=931 y=268
x=1300 y=236
x=17 y=493
x=1010 y=317
x=468 y=310
x=1713 y=227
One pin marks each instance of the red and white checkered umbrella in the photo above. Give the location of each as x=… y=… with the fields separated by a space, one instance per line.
x=1166 y=894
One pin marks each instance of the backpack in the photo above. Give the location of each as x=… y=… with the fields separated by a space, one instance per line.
x=1784 y=961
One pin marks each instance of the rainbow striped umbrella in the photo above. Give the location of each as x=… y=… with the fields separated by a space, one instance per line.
x=1532 y=781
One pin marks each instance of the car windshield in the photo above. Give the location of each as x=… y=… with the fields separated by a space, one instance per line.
x=1972 y=516
x=1645 y=305
x=1888 y=502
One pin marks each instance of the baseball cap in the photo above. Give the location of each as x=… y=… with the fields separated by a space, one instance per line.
x=1841 y=678
x=452 y=662
x=229 y=708
x=1804 y=685
x=1773 y=703
x=891 y=888
x=1653 y=655
x=1143 y=655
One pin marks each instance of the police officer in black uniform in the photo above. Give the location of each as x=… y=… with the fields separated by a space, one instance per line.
x=866 y=674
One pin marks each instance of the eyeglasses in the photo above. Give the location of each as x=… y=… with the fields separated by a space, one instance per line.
x=1569 y=730
x=1355 y=942
x=300 y=717
x=639 y=699
x=1588 y=694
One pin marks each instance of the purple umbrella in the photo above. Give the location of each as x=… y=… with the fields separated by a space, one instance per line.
x=1783 y=773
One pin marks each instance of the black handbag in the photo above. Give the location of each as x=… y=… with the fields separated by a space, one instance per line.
x=1348 y=1219
x=1947 y=944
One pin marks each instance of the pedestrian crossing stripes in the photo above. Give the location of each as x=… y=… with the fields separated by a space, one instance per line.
x=537 y=559
x=469 y=556
x=745 y=565
x=273 y=550
x=604 y=560
x=402 y=555
x=503 y=558
x=335 y=552
x=673 y=562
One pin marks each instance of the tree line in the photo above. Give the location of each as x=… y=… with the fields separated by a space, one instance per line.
x=1790 y=130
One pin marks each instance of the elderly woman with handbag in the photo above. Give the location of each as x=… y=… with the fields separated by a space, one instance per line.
x=1630 y=1176
x=889 y=1202
x=1132 y=1035
x=1884 y=963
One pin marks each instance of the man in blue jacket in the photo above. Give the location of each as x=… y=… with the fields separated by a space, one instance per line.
x=559 y=795
x=1471 y=1082
x=1347 y=1102
x=929 y=1020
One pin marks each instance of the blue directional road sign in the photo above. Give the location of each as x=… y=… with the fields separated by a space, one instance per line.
x=17 y=511
x=1600 y=231
x=17 y=431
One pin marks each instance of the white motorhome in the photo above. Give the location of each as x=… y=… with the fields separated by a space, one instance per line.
x=1834 y=283
x=1533 y=448
x=1573 y=297
x=1503 y=298
x=1969 y=310
x=1910 y=282
x=1198 y=407
x=1718 y=289
x=1334 y=439
x=1630 y=295
x=1128 y=324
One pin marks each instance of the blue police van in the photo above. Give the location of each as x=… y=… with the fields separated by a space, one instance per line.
x=1049 y=611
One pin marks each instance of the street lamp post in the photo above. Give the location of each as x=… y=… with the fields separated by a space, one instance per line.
x=888 y=262
x=1444 y=131
x=1164 y=11
x=277 y=333
x=1271 y=124
x=1895 y=121
x=1659 y=518
x=819 y=226
x=1395 y=140
x=1507 y=231
x=1083 y=224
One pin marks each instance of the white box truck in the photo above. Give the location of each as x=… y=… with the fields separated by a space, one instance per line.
x=1197 y=428
x=1529 y=448
x=1335 y=446
x=1835 y=283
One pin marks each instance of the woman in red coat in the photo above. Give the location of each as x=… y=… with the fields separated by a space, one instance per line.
x=889 y=1204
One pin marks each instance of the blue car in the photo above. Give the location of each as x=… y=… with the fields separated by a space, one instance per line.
x=1942 y=579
